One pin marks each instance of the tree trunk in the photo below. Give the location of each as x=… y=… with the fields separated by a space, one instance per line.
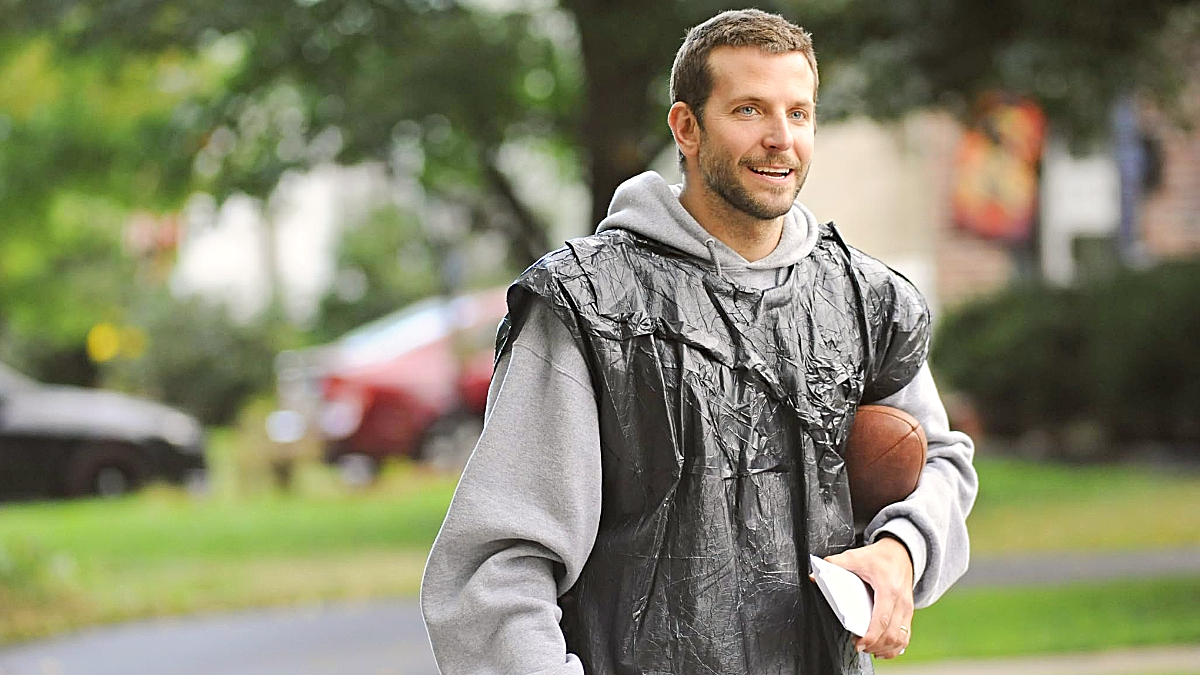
x=626 y=45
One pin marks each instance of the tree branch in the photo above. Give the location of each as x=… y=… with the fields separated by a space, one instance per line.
x=528 y=233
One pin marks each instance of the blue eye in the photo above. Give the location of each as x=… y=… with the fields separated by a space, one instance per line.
x=800 y=114
x=746 y=110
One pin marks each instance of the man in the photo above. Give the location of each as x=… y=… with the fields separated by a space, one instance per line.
x=661 y=448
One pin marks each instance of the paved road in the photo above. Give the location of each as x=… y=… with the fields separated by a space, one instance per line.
x=387 y=638
x=1058 y=568
x=378 y=638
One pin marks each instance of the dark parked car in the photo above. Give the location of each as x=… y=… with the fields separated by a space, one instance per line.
x=70 y=441
x=410 y=384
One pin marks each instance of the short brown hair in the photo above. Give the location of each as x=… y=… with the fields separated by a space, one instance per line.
x=691 y=78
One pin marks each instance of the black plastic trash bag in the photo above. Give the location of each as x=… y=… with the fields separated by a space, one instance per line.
x=723 y=412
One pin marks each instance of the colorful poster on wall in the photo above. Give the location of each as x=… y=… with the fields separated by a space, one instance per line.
x=996 y=169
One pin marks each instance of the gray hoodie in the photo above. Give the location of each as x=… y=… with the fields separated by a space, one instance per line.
x=525 y=514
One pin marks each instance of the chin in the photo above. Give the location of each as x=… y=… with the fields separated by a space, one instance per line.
x=778 y=204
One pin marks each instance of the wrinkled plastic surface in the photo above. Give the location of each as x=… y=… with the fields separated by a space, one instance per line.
x=723 y=411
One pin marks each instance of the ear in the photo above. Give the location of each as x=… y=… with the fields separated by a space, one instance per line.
x=685 y=127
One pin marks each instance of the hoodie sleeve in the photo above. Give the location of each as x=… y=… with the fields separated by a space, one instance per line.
x=524 y=517
x=932 y=521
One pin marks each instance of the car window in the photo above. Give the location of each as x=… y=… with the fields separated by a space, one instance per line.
x=397 y=333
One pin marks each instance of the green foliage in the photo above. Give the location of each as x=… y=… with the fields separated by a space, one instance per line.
x=1118 y=356
x=1075 y=59
x=67 y=275
x=431 y=89
x=439 y=88
x=1143 y=358
x=1017 y=356
x=197 y=358
x=81 y=144
x=110 y=106
x=51 y=364
x=383 y=264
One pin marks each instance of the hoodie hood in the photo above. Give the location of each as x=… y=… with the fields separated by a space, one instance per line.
x=647 y=206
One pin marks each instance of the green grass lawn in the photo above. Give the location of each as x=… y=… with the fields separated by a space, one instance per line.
x=162 y=552
x=981 y=622
x=68 y=564
x=1027 y=506
x=165 y=525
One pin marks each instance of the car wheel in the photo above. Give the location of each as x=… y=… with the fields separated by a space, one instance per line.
x=450 y=441
x=356 y=469
x=106 y=471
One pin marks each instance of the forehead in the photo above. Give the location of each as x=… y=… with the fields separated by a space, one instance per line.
x=751 y=72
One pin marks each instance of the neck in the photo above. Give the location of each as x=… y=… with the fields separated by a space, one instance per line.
x=751 y=238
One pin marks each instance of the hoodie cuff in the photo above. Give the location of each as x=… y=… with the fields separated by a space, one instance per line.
x=907 y=533
x=572 y=667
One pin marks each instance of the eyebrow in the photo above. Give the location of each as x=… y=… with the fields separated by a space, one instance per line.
x=808 y=103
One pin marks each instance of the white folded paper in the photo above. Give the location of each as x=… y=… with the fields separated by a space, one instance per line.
x=846 y=593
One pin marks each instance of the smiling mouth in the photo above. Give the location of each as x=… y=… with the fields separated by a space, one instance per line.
x=771 y=173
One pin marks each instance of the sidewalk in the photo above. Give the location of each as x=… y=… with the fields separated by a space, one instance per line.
x=1149 y=661
x=1065 y=567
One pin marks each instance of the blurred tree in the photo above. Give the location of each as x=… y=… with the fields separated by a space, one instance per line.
x=432 y=87
x=626 y=48
x=437 y=88
x=197 y=358
x=1075 y=59
x=429 y=88
x=1096 y=368
x=383 y=264
x=73 y=162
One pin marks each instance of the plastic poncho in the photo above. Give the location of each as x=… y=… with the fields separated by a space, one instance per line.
x=723 y=413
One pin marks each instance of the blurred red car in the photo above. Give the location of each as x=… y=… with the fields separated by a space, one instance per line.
x=411 y=384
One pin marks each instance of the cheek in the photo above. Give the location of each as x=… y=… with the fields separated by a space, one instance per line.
x=805 y=143
x=741 y=141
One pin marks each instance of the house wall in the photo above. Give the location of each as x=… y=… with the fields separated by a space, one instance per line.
x=888 y=189
x=1169 y=218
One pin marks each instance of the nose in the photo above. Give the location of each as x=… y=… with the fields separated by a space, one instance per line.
x=778 y=134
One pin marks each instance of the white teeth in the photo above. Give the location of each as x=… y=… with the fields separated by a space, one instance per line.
x=772 y=172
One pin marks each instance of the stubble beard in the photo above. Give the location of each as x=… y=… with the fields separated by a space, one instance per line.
x=720 y=176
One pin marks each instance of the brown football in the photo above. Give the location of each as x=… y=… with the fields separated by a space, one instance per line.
x=884 y=457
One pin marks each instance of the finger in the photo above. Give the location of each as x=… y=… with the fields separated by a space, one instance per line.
x=896 y=640
x=887 y=646
x=890 y=654
x=893 y=607
x=850 y=559
x=898 y=632
x=881 y=631
x=890 y=630
x=881 y=620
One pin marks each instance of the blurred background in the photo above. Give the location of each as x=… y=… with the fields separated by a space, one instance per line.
x=252 y=258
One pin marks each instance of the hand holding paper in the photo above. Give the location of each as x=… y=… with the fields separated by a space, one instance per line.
x=886 y=567
x=846 y=594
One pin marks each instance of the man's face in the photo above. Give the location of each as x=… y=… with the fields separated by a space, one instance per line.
x=756 y=142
